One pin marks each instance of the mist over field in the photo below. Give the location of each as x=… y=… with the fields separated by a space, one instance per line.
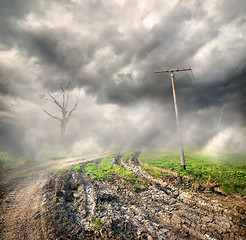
x=108 y=51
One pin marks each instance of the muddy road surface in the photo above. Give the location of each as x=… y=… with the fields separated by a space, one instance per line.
x=129 y=203
x=21 y=197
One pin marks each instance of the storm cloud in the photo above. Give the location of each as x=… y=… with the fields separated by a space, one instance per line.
x=109 y=51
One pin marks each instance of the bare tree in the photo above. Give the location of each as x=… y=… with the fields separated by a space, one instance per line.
x=64 y=119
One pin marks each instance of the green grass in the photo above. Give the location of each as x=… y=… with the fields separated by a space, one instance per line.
x=100 y=206
x=8 y=162
x=127 y=155
x=78 y=167
x=68 y=223
x=154 y=172
x=105 y=168
x=98 y=223
x=97 y=171
x=129 y=175
x=229 y=172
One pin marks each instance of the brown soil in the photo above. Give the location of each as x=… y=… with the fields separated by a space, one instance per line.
x=22 y=196
x=71 y=205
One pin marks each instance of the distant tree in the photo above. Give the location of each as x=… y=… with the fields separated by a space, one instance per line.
x=64 y=119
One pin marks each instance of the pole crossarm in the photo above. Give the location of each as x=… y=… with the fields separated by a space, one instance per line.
x=223 y=101
x=173 y=70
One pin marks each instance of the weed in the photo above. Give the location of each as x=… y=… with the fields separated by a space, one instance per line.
x=100 y=206
x=98 y=223
x=68 y=223
x=78 y=167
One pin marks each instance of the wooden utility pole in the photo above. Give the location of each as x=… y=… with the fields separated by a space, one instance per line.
x=222 y=111
x=177 y=111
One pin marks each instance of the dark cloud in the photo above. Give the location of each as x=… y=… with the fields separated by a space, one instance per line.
x=10 y=13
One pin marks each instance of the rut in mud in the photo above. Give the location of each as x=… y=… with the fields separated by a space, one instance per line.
x=22 y=197
x=117 y=207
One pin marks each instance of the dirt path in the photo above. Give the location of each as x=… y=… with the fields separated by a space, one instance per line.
x=22 y=197
x=141 y=207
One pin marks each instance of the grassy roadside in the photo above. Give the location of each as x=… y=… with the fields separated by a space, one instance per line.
x=8 y=162
x=229 y=172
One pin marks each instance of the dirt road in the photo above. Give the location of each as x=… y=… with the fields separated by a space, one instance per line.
x=128 y=204
x=22 y=197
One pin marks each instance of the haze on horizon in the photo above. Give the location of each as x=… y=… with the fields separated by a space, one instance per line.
x=109 y=51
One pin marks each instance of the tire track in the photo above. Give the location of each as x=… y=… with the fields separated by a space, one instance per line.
x=197 y=220
x=125 y=206
x=22 y=199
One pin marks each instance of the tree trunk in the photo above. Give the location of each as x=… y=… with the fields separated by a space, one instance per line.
x=62 y=134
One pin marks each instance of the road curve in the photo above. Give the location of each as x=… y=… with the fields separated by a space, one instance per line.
x=22 y=195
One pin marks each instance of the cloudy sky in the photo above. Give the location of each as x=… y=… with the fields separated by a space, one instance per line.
x=109 y=50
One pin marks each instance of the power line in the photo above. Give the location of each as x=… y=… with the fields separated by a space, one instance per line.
x=194 y=79
x=168 y=76
x=182 y=87
x=189 y=78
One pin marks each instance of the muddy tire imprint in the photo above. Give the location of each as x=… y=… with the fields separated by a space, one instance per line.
x=22 y=197
x=121 y=208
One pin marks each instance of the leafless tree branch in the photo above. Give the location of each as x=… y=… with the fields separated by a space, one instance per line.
x=67 y=93
x=51 y=115
x=55 y=101
x=63 y=95
x=71 y=111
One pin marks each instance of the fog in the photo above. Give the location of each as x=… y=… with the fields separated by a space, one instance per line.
x=109 y=51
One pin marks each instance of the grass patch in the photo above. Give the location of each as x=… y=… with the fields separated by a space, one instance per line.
x=122 y=171
x=98 y=223
x=127 y=156
x=8 y=162
x=129 y=175
x=100 y=206
x=78 y=167
x=68 y=223
x=154 y=172
x=229 y=172
x=97 y=171
x=104 y=168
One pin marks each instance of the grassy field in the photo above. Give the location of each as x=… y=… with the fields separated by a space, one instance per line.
x=228 y=172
